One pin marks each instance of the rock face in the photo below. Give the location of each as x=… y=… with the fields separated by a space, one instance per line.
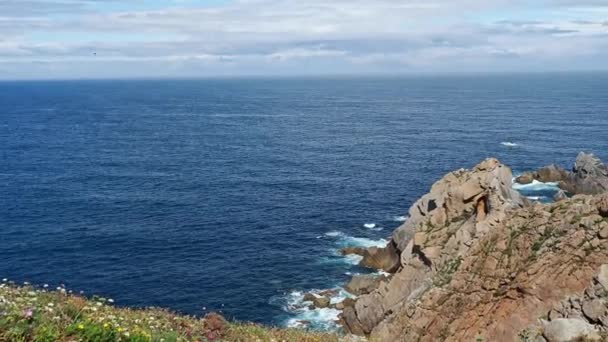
x=364 y=284
x=476 y=259
x=589 y=176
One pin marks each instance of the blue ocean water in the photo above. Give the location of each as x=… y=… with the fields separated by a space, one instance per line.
x=234 y=194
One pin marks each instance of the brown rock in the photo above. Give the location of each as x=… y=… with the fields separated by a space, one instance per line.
x=363 y=284
x=594 y=309
x=526 y=178
x=216 y=323
x=603 y=234
x=602 y=205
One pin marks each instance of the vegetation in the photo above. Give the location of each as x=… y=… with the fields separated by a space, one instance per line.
x=30 y=314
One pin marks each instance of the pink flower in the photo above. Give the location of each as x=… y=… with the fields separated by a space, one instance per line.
x=28 y=313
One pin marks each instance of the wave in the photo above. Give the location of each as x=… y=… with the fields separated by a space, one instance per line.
x=536 y=186
x=311 y=318
x=400 y=218
x=509 y=144
x=369 y=225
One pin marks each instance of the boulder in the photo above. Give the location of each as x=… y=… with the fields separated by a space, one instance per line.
x=321 y=302
x=569 y=329
x=317 y=300
x=363 y=284
x=526 y=178
x=594 y=309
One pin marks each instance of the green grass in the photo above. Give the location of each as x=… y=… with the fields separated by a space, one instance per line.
x=36 y=315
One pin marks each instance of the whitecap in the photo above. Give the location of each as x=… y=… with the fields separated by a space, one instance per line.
x=400 y=218
x=369 y=225
x=509 y=144
x=334 y=233
x=350 y=241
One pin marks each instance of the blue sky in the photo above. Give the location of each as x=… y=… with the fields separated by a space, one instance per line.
x=201 y=38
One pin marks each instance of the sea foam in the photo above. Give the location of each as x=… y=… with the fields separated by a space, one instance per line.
x=509 y=144
x=536 y=186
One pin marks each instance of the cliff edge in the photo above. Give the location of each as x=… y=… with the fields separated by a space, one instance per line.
x=476 y=260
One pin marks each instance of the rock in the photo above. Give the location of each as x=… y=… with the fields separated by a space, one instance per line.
x=318 y=301
x=603 y=234
x=551 y=173
x=309 y=297
x=526 y=178
x=321 y=302
x=380 y=258
x=560 y=196
x=329 y=293
x=566 y=329
x=477 y=259
x=589 y=176
x=602 y=205
x=602 y=277
x=363 y=284
x=594 y=309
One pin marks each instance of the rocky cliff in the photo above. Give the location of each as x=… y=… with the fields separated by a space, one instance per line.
x=476 y=260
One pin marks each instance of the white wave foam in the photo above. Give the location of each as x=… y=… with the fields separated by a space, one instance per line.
x=536 y=186
x=369 y=225
x=350 y=241
x=334 y=233
x=315 y=318
x=400 y=218
x=353 y=259
x=509 y=144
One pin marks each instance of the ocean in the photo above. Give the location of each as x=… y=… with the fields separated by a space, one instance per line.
x=234 y=195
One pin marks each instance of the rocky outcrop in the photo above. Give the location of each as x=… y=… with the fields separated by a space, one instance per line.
x=476 y=259
x=381 y=258
x=551 y=173
x=589 y=176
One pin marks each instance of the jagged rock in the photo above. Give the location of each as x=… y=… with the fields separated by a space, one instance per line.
x=363 y=284
x=589 y=176
x=309 y=297
x=551 y=173
x=565 y=330
x=594 y=309
x=347 y=302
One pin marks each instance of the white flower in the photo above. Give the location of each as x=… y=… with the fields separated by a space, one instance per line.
x=99 y=303
x=110 y=300
x=50 y=304
x=45 y=285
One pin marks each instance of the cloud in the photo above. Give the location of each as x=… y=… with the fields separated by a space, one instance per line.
x=97 y=38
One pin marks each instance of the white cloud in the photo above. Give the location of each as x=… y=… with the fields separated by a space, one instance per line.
x=282 y=36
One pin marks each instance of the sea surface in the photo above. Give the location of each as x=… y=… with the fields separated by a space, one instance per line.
x=234 y=195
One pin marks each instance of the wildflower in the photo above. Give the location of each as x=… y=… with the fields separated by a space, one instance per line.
x=50 y=304
x=120 y=329
x=28 y=313
x=110 y=300
x=81 y=326
x=106 y=325
x=99 y=303
x=126 y=333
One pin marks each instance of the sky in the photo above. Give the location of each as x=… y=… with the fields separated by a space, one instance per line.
x=54 y=39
